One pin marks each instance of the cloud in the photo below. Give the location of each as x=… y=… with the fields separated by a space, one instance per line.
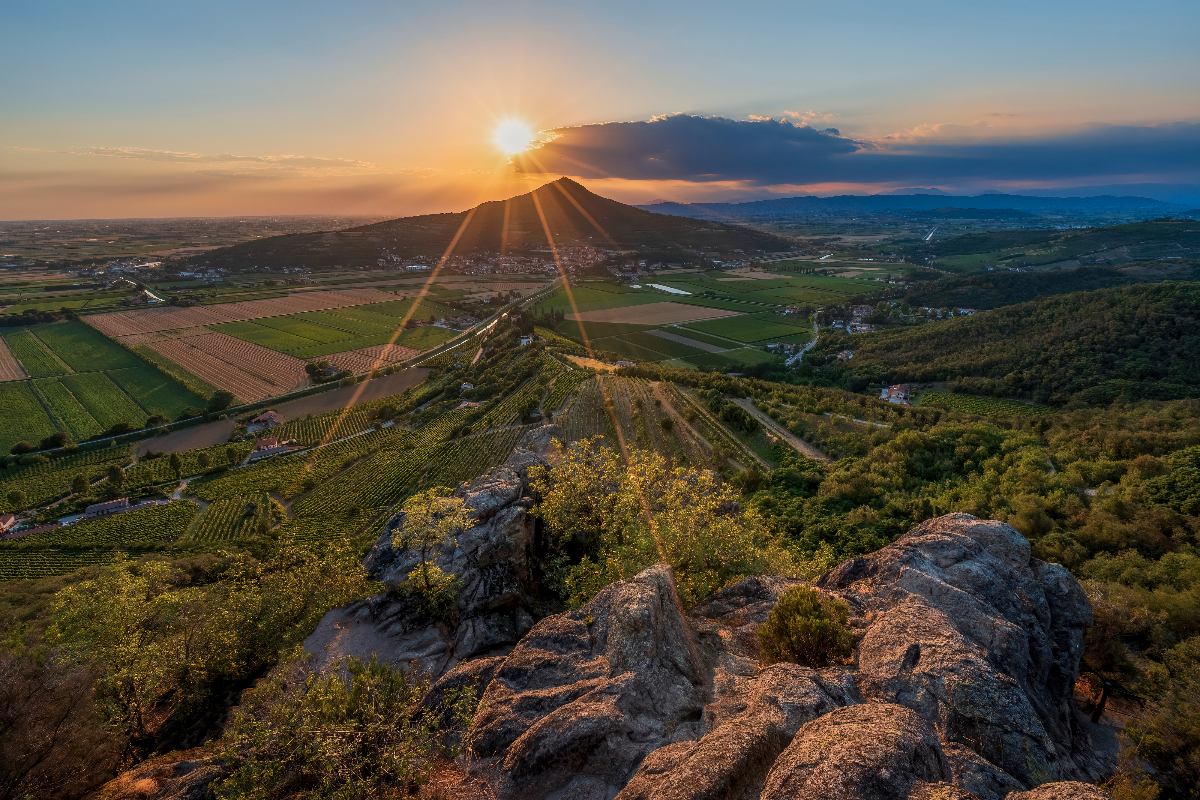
x=278 y=162
x=770 y=152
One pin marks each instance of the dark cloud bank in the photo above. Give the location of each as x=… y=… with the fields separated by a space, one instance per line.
x=694 y=148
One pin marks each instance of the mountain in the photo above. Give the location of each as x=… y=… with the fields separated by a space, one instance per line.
x=919 y=202
x=575 y=216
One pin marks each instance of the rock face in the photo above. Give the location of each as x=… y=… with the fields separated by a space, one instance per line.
x=491 y=561
x=960 y=688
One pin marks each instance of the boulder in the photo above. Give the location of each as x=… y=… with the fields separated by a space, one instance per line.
x=1063 y=790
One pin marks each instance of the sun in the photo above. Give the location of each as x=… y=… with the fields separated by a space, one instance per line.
x=512 y=136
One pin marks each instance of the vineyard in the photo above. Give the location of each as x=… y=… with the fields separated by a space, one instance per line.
x=81 y=383
x=153 y=528
x=979 y=405
x=234 y=519
x=46 y=480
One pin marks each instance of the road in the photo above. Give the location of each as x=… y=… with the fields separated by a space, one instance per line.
x=799 y=445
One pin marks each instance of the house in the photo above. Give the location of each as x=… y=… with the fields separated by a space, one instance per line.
x=525 y=340
x=7 y=522
x=264 y=421
x=845 y=355
x=466 y=387
x=416 y=268
x=897 y=394
x=104 y=509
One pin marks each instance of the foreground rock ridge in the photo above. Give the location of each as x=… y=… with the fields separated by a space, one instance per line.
x=961 y=687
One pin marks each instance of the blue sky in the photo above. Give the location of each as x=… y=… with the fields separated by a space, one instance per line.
x=121 y=108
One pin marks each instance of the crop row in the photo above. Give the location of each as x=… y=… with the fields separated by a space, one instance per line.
x=142 y=528
x=233 y=519
x=45 y=480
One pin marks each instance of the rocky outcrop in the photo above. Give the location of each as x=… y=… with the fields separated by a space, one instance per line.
x=178 y=776
x=577 y=705
x=964 y=624
x=496 y=602
x=960 y=688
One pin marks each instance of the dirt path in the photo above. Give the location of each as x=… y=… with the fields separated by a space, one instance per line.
x=681 y=423
x=799 y=445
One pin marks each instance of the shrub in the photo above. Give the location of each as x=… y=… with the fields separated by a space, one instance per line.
x=807 y=628
x=358 y=731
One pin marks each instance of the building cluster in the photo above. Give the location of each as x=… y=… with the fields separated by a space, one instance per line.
x=897 y=394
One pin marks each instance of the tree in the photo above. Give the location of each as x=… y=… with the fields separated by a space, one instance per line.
x=80 y=485
x=220 y=400
x=808 y=628
x=203 y=460
x=432 y=519
x=16 y=498
x=115 y=475
x=161 y=645
x=176 y=464
x=627 y=515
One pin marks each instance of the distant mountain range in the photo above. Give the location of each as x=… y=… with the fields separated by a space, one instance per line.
x=926 y=203
x=575 y=217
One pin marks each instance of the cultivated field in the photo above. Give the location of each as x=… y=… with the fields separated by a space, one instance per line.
x=10 y=368
x=251 y=372
x=119 y=324
x=82 y=383
x=320 y=334
x=369 y=358
x=662 y=313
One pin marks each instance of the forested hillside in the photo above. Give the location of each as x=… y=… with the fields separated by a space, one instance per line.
x=994 y=289
x=1136 y=342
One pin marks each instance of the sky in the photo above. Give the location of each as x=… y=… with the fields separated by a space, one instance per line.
x=164 y=108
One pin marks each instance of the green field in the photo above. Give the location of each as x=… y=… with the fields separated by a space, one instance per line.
x=318 y=333
x=750 y=328
x=82 y=383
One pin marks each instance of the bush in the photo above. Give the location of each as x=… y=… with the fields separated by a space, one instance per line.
x=807 y=628
x=358 y=731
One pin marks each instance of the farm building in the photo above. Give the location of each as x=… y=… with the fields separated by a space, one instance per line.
x=264 y=421
x=106 y=508
x=7 y=522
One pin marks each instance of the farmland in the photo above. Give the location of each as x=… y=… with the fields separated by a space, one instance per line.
x=119 y=324
x=82 y=383
x=326 y=333
x=704 y=320
x=251 y=372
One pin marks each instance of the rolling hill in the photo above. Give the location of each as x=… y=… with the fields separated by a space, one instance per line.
x=1135 y=342
x=923 y=205
x=576 y=216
